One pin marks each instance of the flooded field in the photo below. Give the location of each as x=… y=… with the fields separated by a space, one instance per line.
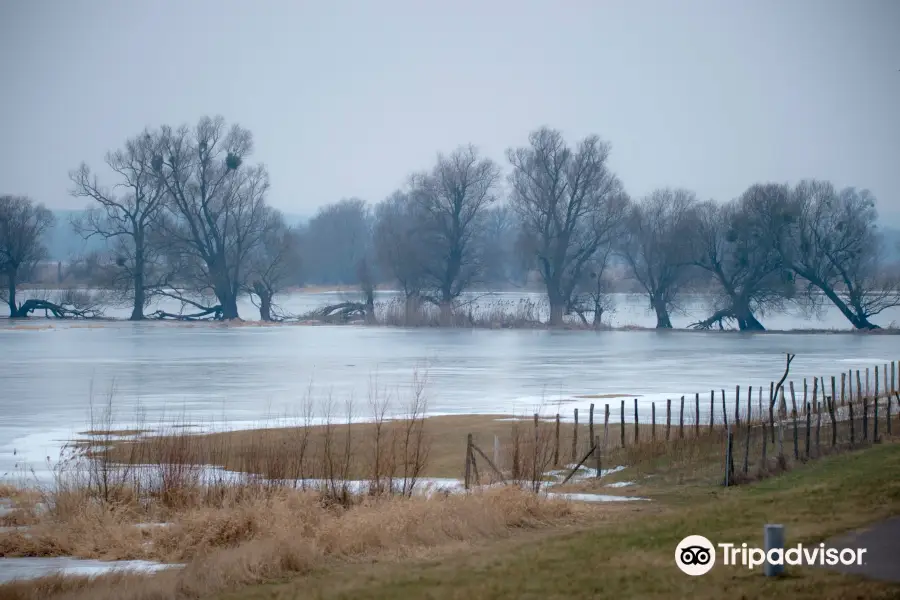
x=241 y=376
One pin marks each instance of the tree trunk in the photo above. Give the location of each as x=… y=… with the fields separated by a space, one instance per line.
x=411 y=308
x=446 y=308
x=369 y=293
x=228 y=301
x=857 y=320
x=557 y=310
x=137 y=311
x=265 y=305
x=662 y=314
x=860 y=321
x=11 y=299
x=746 y=320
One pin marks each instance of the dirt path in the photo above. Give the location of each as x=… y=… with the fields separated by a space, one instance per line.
x=882 y=543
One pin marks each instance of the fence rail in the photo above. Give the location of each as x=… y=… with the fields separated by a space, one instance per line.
x=850 y=419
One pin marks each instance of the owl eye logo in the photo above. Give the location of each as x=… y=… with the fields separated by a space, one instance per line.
x=695 y=555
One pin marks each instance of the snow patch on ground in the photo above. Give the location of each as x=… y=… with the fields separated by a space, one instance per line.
x=593 y=497
x=30 y=568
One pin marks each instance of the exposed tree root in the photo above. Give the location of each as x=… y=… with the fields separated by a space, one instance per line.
x=344 y=311
x=60 y=311
x=727 y=316
x=213 y=313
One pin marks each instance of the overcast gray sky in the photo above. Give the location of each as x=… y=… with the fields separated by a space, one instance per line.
x=347 y=98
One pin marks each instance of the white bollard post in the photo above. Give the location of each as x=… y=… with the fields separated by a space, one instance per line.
x=497 y=452
x=773 y=538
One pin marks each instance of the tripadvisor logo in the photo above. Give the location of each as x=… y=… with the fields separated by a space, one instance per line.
x=695 y=555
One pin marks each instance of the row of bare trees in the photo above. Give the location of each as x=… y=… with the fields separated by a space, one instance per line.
x=185 y=217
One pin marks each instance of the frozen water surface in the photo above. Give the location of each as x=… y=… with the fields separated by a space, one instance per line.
x=248 y=376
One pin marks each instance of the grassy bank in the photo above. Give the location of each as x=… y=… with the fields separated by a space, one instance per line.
x=260 y=541
x=633 y=557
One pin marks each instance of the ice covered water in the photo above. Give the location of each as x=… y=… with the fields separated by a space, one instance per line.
x=242 y=376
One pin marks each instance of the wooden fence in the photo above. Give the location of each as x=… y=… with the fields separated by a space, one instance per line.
x=817 y=416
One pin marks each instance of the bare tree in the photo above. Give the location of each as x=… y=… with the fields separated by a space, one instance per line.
x=454 y=197
x=656 y=246
x=503 y=264
x=273 y=264
x=22 y=227
x=127 y=216
x=216 y=205
x=398 y=240
x=832 y=242
x=571 y=205
x=338 y=236
x=737 y=244
x=593 y=292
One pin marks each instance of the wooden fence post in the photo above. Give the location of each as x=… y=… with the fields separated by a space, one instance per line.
x=818 y=417
x=636 y=427
x=893 y=376
x=859 y=393
x=765 y=444
x=888 y=414
x=468 y=461
x=556 y=443
x=737 y=407
x=591 y=423
x=875 y=411
x=831 y=413
x=697 y=414
x=850 y=386
x=808 y=427
x=781 y=419
x=729 y=458
x=681 y=420
x=852 y=426
x=622 y=423
x=749 y=430
x=876 y=385
x=772 y=410
x=833 y=390
x=598 y=454
x=867 y=382
x=815 y=408
x=794 y=419
x=842 y=389
x=805 y=395
x=759 y=395
x=865 y=423
x=575 y=438
x=606 y=427
x=712 y=409
x=668 y=417
x=653 y=420
x=724 y=410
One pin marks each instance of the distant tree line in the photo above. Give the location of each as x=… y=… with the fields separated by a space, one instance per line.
x=185 y=217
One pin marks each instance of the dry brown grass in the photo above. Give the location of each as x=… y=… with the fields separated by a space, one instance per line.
x=258 y=535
